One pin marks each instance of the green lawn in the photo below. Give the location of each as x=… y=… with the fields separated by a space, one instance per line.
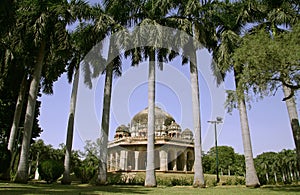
x=39 y=188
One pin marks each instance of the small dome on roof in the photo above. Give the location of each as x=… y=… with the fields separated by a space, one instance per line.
x=174 y=127
x=122 y=128
x=187 y=134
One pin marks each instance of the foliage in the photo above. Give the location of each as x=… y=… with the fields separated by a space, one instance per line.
x=86 y=171
x=40 y=152
x=281 y=167
x=269 y=61
x=229 y=161
x=5 y=158
x=50 y=170
x=125 y=178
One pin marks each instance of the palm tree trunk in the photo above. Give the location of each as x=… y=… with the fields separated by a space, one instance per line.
x=70 y=129
x=198 y=176
x=293 y=115
x=275 y=177
x=102 y=176
x=251 y=175
x=17 y=115
x=150 y=180
x=22 y=172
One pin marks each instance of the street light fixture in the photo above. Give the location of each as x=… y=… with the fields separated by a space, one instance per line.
x=215 y=122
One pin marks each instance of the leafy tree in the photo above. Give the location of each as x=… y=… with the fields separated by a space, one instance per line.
x=273 y=53
x=226 y=157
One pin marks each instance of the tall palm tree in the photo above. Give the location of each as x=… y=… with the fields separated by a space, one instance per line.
x=43 y=25
x=229 y=29
x=142 y=14
x=113 y=67
x=149 y=15
x=193 y=18
x=17 y=115
x=82 y=43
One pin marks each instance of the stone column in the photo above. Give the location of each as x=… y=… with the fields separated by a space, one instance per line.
x=163 y=155
x=111 y=164
x=136 y=158
x=185 y=161
x=117 y=161
x=123 y=160
x=175 y=161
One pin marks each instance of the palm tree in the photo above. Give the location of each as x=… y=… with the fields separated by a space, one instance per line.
x=43 y=25
x=113 y=66
x=17 y=115
x=145 y=14
x=81 y=43
x=194 y=18
x=229 y=28
x=112 y=25
x=149 y=18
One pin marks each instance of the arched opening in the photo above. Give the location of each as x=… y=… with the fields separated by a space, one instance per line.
x=156 y=160
x=171 y=160
x=180 y=161
x=130 y=160
x=190 y=161
x=142 y=160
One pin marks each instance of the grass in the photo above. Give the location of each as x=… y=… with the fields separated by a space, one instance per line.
x=162 y=178
x=42 y=188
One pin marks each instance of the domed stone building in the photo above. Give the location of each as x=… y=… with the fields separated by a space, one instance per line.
x=174 y=148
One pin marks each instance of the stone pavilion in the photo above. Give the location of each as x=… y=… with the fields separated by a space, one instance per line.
x=174 y=148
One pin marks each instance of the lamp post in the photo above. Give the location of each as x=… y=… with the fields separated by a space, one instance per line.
x=215 y=122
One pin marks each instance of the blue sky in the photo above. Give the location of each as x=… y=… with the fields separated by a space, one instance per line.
x=268 y=118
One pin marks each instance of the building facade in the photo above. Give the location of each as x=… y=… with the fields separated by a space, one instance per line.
x=174 y=148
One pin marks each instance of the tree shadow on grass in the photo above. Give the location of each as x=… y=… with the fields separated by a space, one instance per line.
x=11 y=188
x=284 y=189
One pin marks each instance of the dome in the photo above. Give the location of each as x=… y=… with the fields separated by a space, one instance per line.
x=142 y=116
x=174 y=127
x=140 y=120
x=122 y=128
x=187 y=134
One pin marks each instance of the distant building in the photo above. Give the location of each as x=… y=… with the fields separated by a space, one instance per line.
x=174 y=148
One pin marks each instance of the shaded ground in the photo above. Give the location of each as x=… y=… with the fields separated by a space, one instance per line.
x=39 y=188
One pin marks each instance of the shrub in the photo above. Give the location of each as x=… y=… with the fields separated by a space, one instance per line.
x=5 y=158
x=124 y=178
x=50 y=170
x=85 y=173
x=239 y=181
x=180 y=181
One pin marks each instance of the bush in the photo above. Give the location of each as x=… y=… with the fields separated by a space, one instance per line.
x=85 y=173
x=50 y=170
x=239 y=181
x=124 y=178
x=5 y=158
x=180 y=181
